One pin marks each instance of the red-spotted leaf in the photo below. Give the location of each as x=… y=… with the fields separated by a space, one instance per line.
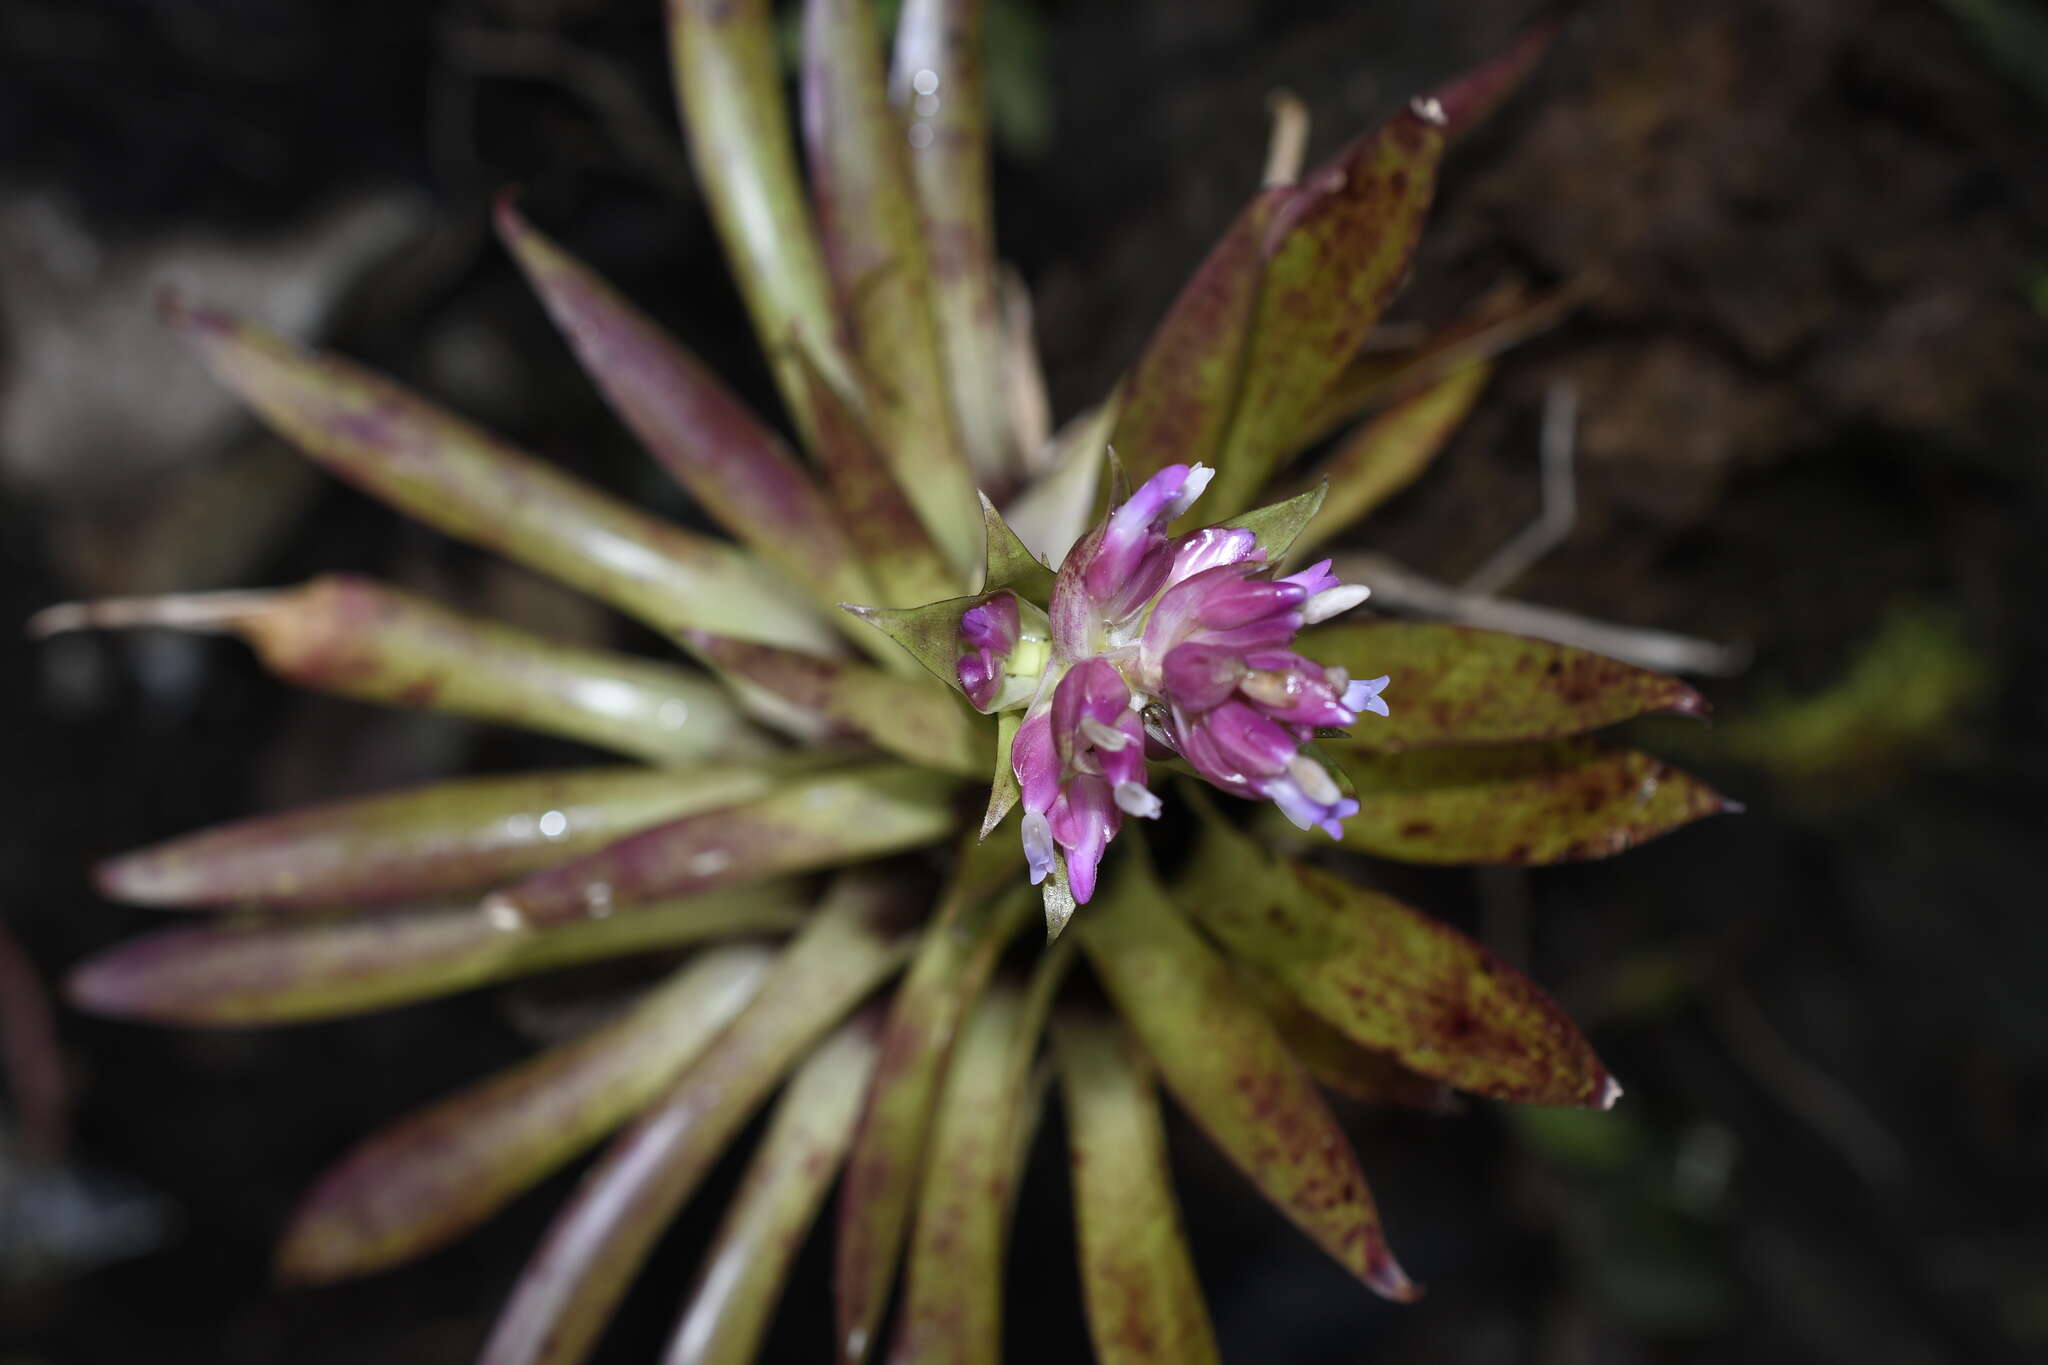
x=1337 y=245
x=875 y=248
x=1227 y=1065
x=952 y=1308
x=841 y=816
x=742 y=1276
x=900 y=550
x=735 y=467
x=1389 y=452
x=1338 y=1063
x=1375 y=376
x=307 y=966
x=908 y=716
x=430 y=1177
x=1388 y=977
x=936 y=80
x=729 y=89
x=598 y=1241
x=424 y=842
x=1454 y=685
x=1533 y=803
x=1144 y=1304
x=441 y=470
x=363 y=639
x=978 y=918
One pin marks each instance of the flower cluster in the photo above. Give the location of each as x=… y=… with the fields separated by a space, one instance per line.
x=1163 y=646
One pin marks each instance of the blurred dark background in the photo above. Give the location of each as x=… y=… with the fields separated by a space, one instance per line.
x=1814 y=415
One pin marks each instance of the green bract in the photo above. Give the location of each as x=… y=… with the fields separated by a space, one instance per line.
x=805 y=774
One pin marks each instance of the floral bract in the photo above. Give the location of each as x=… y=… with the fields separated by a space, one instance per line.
x=796 y=832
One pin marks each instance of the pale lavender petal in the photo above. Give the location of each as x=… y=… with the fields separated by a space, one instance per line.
x=1314 y=579
x=1038 y=849
x=1365 y=696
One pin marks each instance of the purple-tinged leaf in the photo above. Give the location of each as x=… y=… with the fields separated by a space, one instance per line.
x=1388 y=977
x=435 y=1174
x=729 y=90
x=445 y=472
x=1377 y=377
x=844 y=815
x=875 y=249
x=601 y=1237
x=424 y=842
x=908 y=716
x=1337 y=245
x=1389 y=452
x=743 y=1273
x=1469 y=98
x=978 y=917
x=902 y=555
x=1338 y=1063
x=735 y=467
x=1144 y=1303
x=937 y=81
x=362 y=639
x=1176 y=404
x=303 y=966
x=1227 y=1065
x=1560 y=802
x=1454 y=685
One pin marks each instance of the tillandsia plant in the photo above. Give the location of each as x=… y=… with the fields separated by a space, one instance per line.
x=808 y=823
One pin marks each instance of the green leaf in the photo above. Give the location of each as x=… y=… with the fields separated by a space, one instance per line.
x=1229 y=1068
x=1010 y=563
x=1388 y=977
x=1337 y=245
x=908 y=716
x=875 y=249
x=428 y=841
x=1144 y=1303
x=1454 y=685
x=729 y=89
x=1277 y=526
x=1004 y=791
x=959 y=950
x=900 y=551
x=1338 y=1063
x=743 y=1273
x=363 y=639
x=432 y=1176
x=952 y=1302
x=1534 y=803
x=840 y=816
x=305 y=966
x=940 y=44
x=601 y=1237
x=736 y=468
x=1385 y=455
x=444 y=472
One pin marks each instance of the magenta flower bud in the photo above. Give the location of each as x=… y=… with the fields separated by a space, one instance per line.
x=987 y=633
